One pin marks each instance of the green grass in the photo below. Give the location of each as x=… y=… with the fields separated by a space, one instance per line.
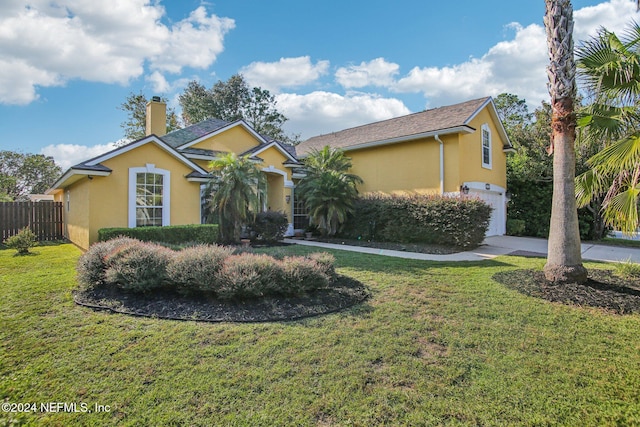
x=438 y=344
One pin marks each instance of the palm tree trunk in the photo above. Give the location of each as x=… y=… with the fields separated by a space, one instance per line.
x=564 y=259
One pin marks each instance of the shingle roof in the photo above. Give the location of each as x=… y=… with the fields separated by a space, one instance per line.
x=442 y=118
x=183 y=136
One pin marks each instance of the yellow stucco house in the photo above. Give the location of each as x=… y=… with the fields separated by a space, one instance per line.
x=451 y=150
x=157 y=180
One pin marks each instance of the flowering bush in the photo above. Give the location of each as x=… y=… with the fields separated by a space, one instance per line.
x=138 y=267
x=142 y=267
x=92 y=265
x=195 y=268
x=300 y=275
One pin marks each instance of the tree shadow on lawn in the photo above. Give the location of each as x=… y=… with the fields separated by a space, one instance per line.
x=342 y=294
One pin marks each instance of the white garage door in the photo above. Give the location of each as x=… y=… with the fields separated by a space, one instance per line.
x=497 y=224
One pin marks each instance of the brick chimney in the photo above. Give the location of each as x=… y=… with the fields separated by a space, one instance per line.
x=156 y=117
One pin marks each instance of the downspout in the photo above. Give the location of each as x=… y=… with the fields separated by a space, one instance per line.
x=441 y=163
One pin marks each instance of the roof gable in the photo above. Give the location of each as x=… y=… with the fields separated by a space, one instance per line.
x=94 y=167
x=194 y=134
x=442 y=120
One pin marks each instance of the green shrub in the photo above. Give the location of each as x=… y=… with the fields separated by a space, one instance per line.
x=515 y=227
x=138 y=267
x=300 y=275
x=434 y=219
x=23 y=241
x=195 y=268
x=172 y=234
x=248 y=276
x=270 y=226
x=92 y=265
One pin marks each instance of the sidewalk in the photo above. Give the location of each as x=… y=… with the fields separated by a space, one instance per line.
x=492 y=247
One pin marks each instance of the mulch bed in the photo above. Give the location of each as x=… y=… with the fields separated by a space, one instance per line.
x=343 y=293
x=603 y=289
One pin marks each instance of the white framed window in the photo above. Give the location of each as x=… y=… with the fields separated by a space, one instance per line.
x=486 y=146
x=149 y=196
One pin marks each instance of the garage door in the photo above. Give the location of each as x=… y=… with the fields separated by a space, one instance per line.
x=497 y=226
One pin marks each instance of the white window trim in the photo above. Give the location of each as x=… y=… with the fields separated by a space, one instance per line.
x=166 y=192
x=485 y=127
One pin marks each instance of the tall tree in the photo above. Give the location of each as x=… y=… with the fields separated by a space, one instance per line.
x=233 y=100
x=24 y=174
x=564 y=258
x=328 y=190
x=237 y=186
x=136 y=108
x=610 y=68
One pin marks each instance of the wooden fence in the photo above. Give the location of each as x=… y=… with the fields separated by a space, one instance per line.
x=43 y=218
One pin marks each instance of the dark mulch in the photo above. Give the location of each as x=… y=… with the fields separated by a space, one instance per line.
x=344 y=293
x=603 y=289
x=422 y=248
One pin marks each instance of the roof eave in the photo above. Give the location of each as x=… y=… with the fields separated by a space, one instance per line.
x=74 y=175
x=422 y=135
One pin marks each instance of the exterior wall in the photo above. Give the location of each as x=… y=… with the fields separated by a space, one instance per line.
x=279 y=181
x=109 y=194
x=236 y=139
x=77 y=216
x=471 y=154
x=407 y=167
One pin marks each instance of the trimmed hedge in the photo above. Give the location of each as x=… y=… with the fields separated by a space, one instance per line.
x=172 y=234
x=431 y=219
x=141 y=267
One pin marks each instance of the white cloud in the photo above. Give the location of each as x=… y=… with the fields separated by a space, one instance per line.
x=614 y=15
x=517 y=65
x=158 y=82
x=323 y=112
x=67 y=155
x=44 y=43
x=287 y=72
x=377 y=72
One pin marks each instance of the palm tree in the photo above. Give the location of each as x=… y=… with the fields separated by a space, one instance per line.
x=564 y=259
x=237 y=186
x=610 y=67
x=328 y=190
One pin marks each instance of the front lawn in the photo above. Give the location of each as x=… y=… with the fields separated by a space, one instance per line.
x=438 y=343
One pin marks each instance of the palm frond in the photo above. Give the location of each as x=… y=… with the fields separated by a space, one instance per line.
x=621 y=211
x=621 y=155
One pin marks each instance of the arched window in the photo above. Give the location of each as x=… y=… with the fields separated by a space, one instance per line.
x=149 y=191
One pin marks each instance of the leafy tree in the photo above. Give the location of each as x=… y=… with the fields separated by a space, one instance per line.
x=237 y=186
x=564 y=258
x=234 y=100
x=610 y=68
x=136 y=108
x=24 y=174
x=328 y=190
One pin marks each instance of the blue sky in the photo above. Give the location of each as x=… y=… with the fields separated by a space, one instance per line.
x=66 y=66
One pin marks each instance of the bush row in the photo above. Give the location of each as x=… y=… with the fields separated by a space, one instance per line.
x=136 y=266
x=172 y=234
x=433 y=219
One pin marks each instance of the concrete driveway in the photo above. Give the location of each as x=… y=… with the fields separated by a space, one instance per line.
x=590 y=251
